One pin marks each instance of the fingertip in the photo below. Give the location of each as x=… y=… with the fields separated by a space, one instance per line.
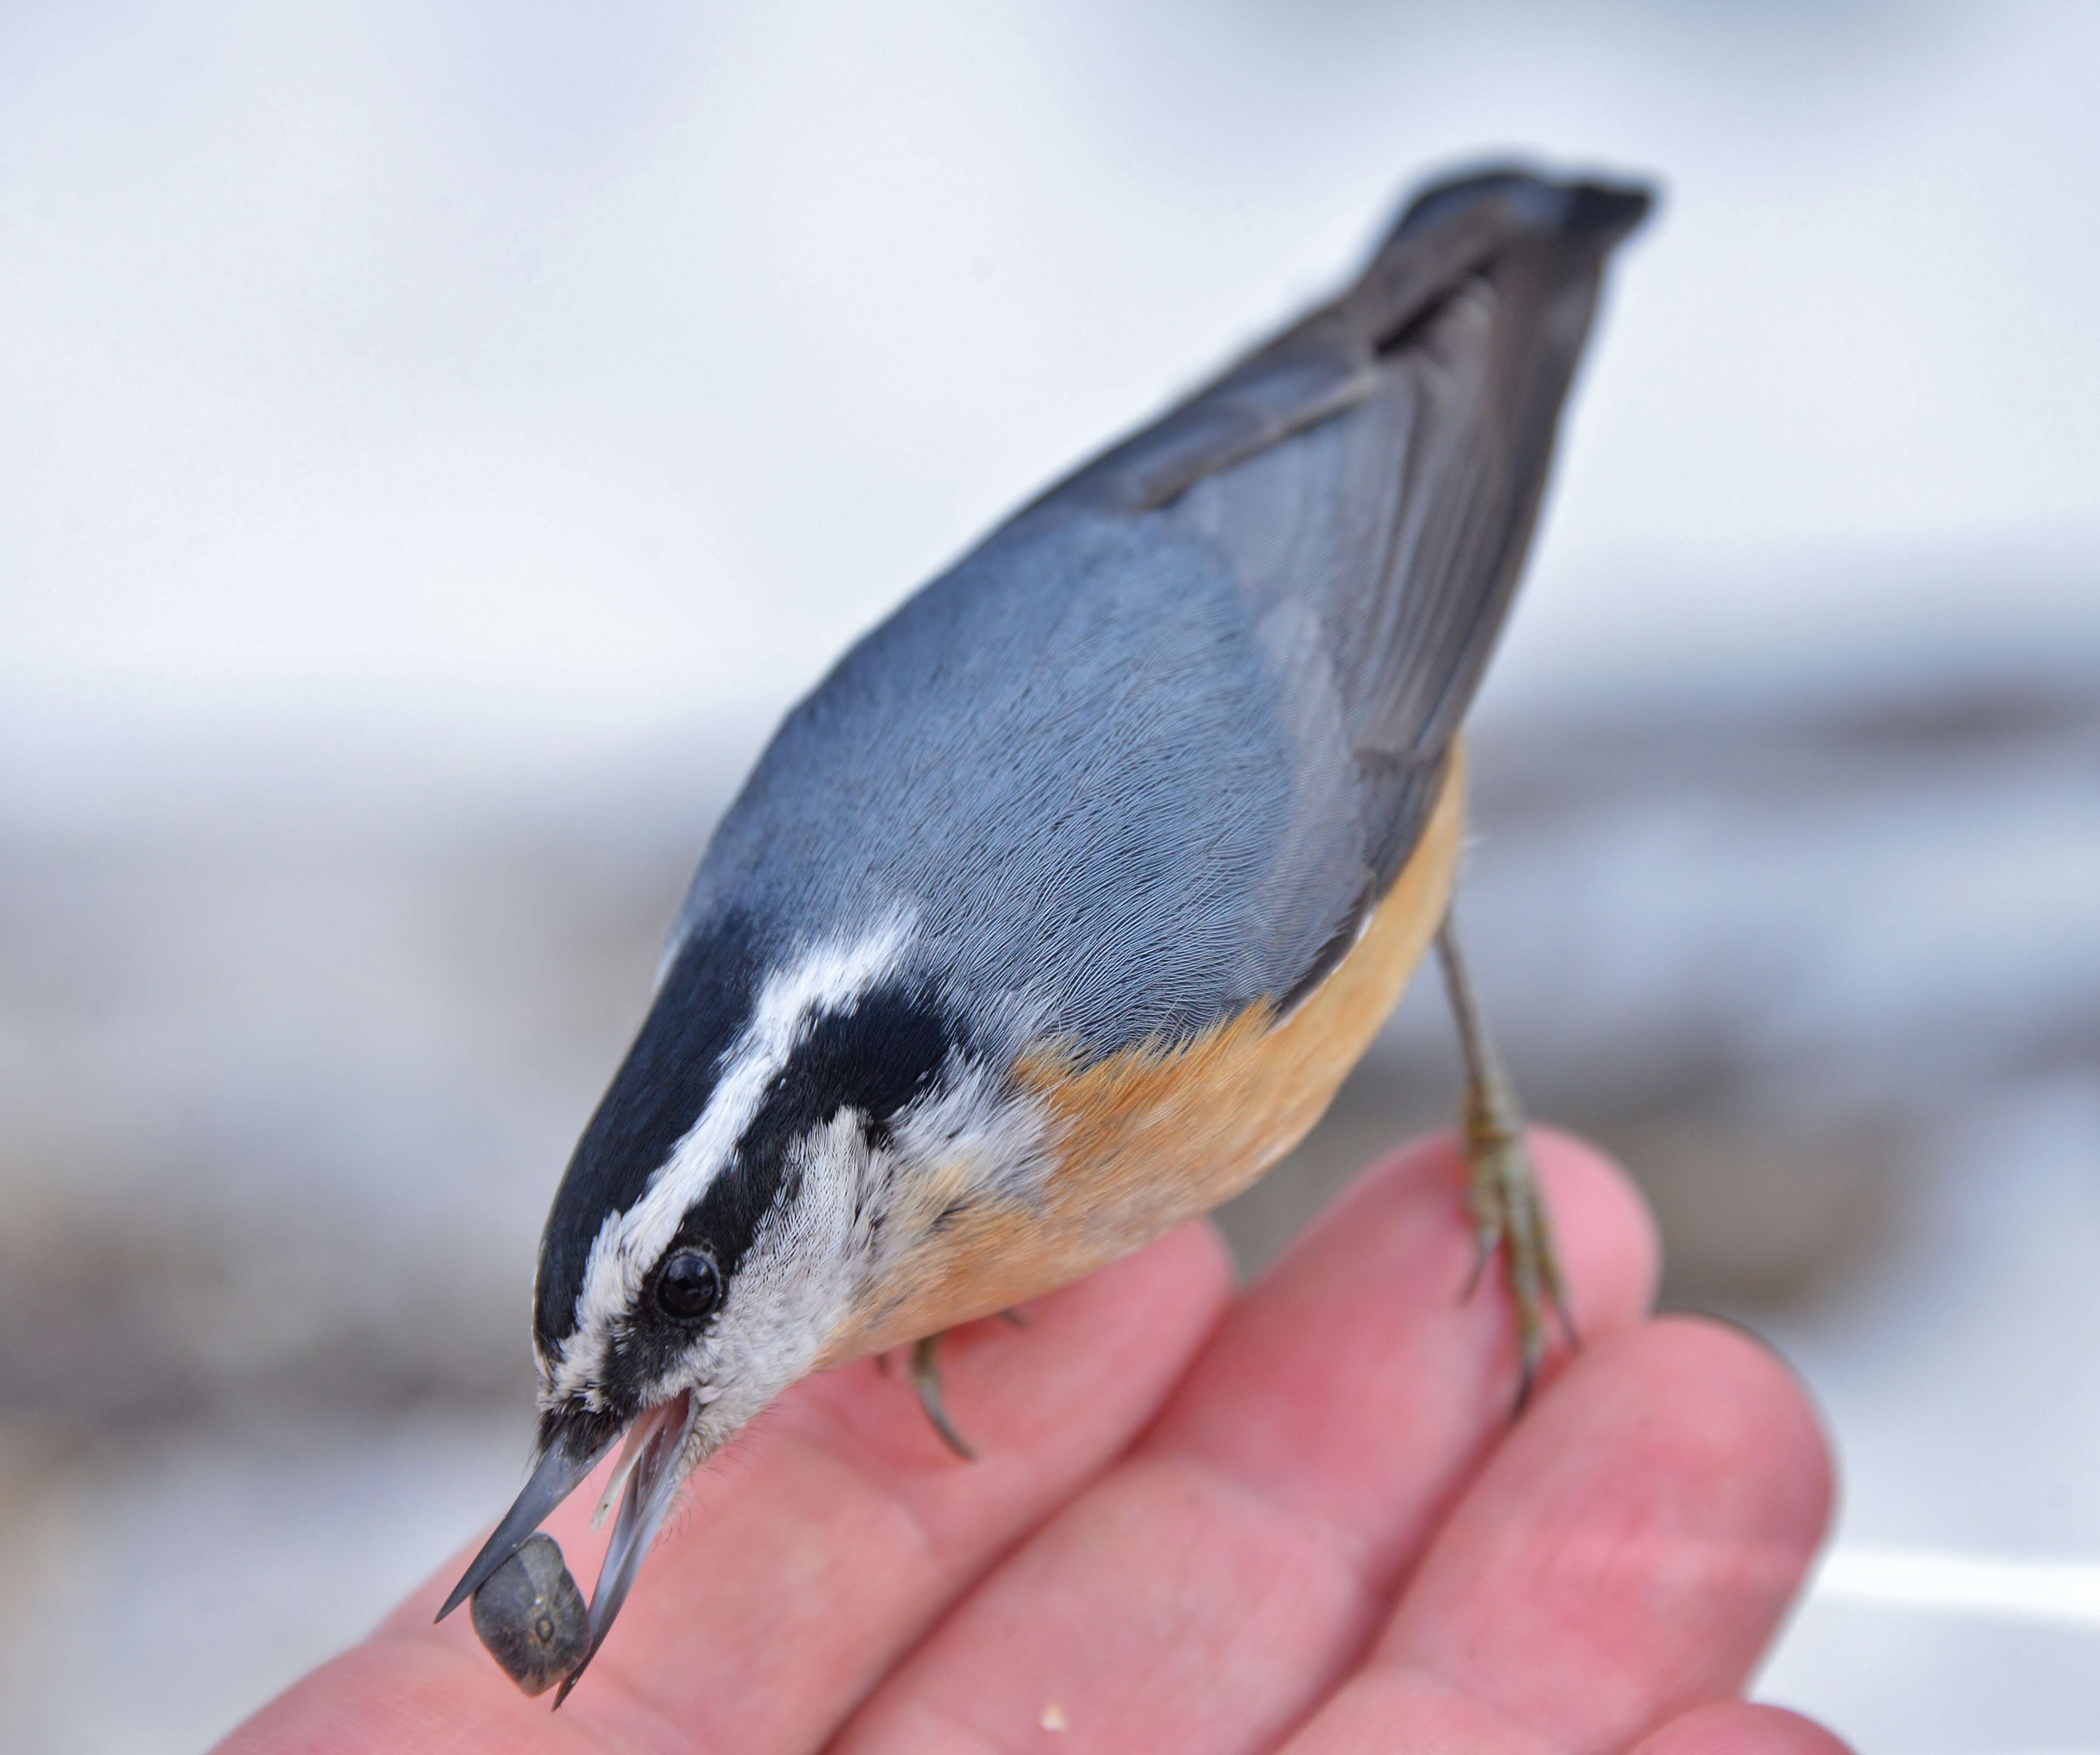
x=1605 y=1229
x=1650 y=1521
x=1737 y=1727
x=1606 y=1238
x=1739 y=1398
x=1164 y=1300
x=1188 y=1274
x=1191 y=1264
x=1691 y=1400
x=1101 y=1352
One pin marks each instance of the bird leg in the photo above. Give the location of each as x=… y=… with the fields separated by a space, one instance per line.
x=1503 y=1192
x=926 y=1379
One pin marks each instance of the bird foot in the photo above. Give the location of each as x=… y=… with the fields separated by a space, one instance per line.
x=926 y=1380
x=1509 y=1216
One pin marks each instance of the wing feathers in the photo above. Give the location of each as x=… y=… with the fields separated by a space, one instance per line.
x=1328 y=360
x=1380 y=463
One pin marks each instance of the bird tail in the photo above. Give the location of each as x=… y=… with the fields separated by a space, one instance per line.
x=1600 y=213
x=1549 y=235
x=1451 y=227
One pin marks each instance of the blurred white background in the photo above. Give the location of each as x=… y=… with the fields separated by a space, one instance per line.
x=439 y=439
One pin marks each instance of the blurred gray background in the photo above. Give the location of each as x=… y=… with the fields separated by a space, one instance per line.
x=440 y=440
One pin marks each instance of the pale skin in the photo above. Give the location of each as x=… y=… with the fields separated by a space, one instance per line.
x=1296 y=1520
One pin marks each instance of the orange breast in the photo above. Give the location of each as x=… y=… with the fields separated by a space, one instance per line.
x=1156 y=1134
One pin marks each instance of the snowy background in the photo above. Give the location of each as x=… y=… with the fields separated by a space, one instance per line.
x=440 y=440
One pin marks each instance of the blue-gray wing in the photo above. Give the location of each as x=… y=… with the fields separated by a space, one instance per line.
x=1146 y=755
x=1372 y=475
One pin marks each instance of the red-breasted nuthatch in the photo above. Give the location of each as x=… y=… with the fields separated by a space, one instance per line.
x=1058 y=910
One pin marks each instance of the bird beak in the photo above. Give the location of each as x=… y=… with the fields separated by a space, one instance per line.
x=655 y=1443
x=560 y=1470
x=649 y=1469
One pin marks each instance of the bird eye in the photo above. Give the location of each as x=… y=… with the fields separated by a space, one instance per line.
x=689 y=1287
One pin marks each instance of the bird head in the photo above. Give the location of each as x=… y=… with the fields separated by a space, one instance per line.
x=749 y=1202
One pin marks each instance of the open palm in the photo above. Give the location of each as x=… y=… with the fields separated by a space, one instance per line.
x=1297 y=1520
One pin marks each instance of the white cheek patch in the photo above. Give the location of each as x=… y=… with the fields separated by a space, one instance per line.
x=790 y=1291
x=789 y=1297
x=974 y=1123
x=826 y=979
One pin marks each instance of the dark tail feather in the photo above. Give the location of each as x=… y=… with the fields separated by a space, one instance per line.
x=1597 y=212
x=1526 y=225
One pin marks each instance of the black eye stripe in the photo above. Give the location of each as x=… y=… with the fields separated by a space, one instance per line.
x=659 y=1093
x=874 y=1057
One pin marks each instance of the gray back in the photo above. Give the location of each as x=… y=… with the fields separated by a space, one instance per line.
x=1148 y=754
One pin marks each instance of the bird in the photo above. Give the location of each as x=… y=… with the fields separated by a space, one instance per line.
x=1057 y=910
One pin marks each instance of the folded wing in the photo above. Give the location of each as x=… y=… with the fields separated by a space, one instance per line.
x=1372 y=477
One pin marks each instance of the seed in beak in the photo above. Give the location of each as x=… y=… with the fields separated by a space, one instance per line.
x=531 y=1616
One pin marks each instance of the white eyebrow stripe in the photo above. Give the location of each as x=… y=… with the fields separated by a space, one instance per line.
x=627 y=1243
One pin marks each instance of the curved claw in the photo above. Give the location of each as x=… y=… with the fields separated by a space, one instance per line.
x=1510 y=1217
x=926 y=1379
x=1503 y=1192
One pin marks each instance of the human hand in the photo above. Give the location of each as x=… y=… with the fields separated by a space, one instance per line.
x=1299 y=1519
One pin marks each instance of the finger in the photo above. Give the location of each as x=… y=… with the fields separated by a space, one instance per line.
x=813 y=1552
x=1736 y=1728
x=1206 y=1594
x=1623 y=1558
